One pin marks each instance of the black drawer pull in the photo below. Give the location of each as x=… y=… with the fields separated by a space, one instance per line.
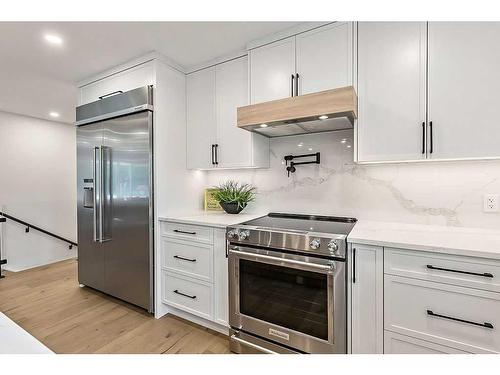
x=186 y=259
x=486 y=274
x=485 y=324
x=184 y=232
x=183 y=294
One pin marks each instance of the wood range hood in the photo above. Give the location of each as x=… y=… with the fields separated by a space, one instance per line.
x=311 y=113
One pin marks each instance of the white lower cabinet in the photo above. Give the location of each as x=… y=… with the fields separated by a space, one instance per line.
x=367 y=298
x=193 y=268
x=221 y=291
x=464 y=318
x=395 y=343
x=421 y=302
x=187 y=294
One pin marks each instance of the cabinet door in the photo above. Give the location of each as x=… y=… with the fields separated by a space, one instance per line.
x=463 y=89
x=324 y=58
x=138 y=76
x=201 y=119
x=367 y=299
x=271 y=70
x=391 y=91
x=234 y=144
x=221 y=278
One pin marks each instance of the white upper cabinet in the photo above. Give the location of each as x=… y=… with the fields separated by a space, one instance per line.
x=464 y=82
x=234 y=144
x=391 y=91
x=324 y=58
x=316 y=60
x=201 y=119
x=213 y=138
x=129 y=79
x=271 y=69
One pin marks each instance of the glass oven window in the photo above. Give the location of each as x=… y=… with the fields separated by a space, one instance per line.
x=287 y=297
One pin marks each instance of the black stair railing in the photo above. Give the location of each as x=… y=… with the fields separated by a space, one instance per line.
x=31 y=226
x=2 y=261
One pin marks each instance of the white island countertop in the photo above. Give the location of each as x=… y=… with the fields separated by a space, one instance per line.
x=212 y=219
x=476 y=242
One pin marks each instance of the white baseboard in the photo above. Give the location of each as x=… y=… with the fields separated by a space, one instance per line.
x=198 y=320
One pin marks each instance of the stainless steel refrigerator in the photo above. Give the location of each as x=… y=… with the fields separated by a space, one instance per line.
x=115 y=195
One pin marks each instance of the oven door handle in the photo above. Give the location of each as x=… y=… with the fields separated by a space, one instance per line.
x=282 y=261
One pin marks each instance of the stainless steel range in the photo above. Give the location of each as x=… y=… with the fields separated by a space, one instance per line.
x=287 y=284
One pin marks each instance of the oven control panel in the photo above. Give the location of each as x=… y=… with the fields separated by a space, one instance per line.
x=334 y=246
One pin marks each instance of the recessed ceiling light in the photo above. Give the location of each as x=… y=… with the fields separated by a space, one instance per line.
x=323 y=117
x=263 y=125
x=53 y=39
x=300 y=144
x=348 y=146
x=343 y=140
x=54 y=114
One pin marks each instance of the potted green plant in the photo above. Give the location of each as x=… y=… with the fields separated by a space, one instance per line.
x=233 y=196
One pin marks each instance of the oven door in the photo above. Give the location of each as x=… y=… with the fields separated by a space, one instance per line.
x=292 y=300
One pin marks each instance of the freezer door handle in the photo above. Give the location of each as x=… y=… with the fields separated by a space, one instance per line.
x=95 y=190
x=104 y=193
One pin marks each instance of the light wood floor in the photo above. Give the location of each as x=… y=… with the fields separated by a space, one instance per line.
x=48 y=303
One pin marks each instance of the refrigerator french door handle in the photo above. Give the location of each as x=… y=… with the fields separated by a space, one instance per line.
x=94 y=180
x=101 y=194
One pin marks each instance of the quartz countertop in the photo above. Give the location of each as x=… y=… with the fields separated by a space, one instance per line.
x=477 y=242
x=211 y=219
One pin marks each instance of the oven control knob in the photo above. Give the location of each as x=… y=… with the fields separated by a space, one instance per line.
x=243 y=234
x=333 y=246
x=315 y=243
x=232 y=233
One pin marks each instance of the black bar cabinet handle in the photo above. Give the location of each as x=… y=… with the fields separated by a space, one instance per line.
x=184 y=232
x=485 y=274
x=293 y=77
x=423 y=137
x=111 y=94
x=184 y=294
x=485 y=324
x=216 y=154
x=354 y=265
x=297 y=84
x=186 y=259
x=213 y=153
x=431 y=138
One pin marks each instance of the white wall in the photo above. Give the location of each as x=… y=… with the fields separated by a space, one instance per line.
x=37 y=184
x=442 y=193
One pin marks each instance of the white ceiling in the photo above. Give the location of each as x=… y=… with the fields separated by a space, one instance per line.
x=37 y=78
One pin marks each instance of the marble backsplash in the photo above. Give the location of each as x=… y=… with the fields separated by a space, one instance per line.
x=441 y=193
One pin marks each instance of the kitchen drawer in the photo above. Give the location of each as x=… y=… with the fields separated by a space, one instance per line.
x=451 y=269
x=409 y=303
x=186 y=257
x=187 y=295
x=137 y=76
x=395 y=343
x=187 y=231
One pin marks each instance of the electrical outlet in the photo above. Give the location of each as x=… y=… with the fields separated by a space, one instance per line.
x=490 y=203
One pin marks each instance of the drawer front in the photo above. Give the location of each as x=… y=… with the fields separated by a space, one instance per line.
x=395 y=343
x=429 y=311
x=139 y=76
x=189 y=258
x=187 y=231
x=451 y=269
x=187 y=294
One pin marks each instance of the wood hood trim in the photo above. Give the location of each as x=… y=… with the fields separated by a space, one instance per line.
x=340 y=102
